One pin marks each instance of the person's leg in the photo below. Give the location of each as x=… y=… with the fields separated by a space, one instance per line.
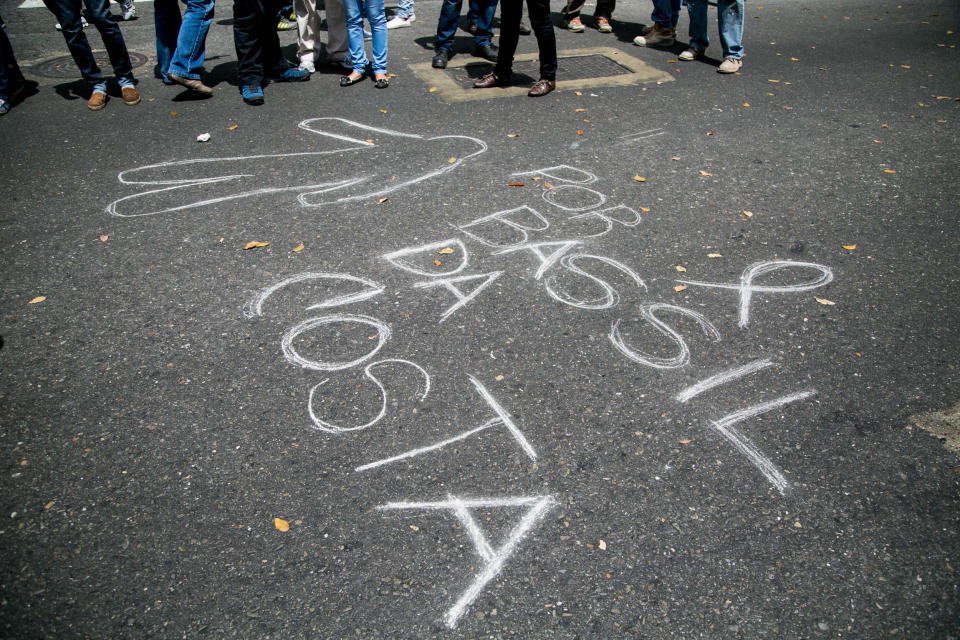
x=308 y=26
x=485 y=12
x=605 y=9
x=166 y=21
x=337 y=42
x=358 y=55
x=274 y=64
x=510 y=14
x=378 y=28
x=100 y=16
x=572 y=9
x=405 y=9
x=697 y=10
x=539 y=11
x=447 y=24
x=11 y=80
x=187 y=61
x=247 y=17
x=662 y=12
x=730 y=22
x=67 y=13
x=675 y=6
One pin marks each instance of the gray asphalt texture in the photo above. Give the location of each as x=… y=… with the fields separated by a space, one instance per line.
x=152 y=431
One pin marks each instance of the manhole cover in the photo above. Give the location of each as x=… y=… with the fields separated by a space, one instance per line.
x=527 y=71
x=64 y=68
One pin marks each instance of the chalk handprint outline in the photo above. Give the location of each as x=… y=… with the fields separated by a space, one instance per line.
x=201 y=182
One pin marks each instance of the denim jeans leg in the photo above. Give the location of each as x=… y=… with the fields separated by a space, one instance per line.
x=697 y=9
x=378 y=29
x=404 y=8
x=247 y=20
x=485 y=11
x=358 y=54
x=546 y=37
x=730 y=22
x=447 y=24
x=510 y=13
x=67 y=13
x=187 y=61
x=166 y=22
x=103 y=20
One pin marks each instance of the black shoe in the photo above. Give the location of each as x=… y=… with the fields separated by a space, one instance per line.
x=441 y=58
x=525 y=28
x=488 y=51
x=346 y=81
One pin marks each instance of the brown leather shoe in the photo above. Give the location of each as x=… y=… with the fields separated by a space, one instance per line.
x=542 y=87
x=190 y=83
x=490 y=80
x=97 y=101
x=130 y=96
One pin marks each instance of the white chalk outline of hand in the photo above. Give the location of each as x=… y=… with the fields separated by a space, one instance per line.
x=306 y=190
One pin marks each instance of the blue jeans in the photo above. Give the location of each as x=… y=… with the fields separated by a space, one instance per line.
x=450 y=18
x=666 y=12
x=378 y=26
x=10 y=76
x=67 y=13
x=404 y=8
x=729 y=20
x=181 y=43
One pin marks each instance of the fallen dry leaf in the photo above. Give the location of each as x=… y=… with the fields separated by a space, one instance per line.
x=173 y=113
x=254 y=245
x=547 y=185
x=849 y=247
x=298 y=248
x=679 y=288
x=415 y=527
x=579 y=132
x=370 y=140
x=704 y=173
x=645 y=209
x=446 y=250
x=675 y=158
x=579 y=110
x=499 y=378
x=825 y=301
x=714 y=255
x=49 y=504
x=889 y=171
x=104 y=238
x=452 y=160
x=883 y=126
x=515 y=184
x=37 y=299
x=281 y=525
x=749 y=214
x=746 y=104
x=772 y=80
x=639 y=179
x=232 y=127
x=578 y=93
x=432 y=89
x=381 y=200
x=602 y=545
x=437 y=263
x=512 y=135
x=686 y=441
x=383 y=110
x=680 y=269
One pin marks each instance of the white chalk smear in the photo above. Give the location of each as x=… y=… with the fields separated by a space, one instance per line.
x=746 y=447
x=503 y=418
x=493 y=559
x=722 y=378
x=747 y=288
x=546 y=261
x=462 y=299
x=649 y=314
x=555 y=195
x=371 y=289
x=397 y=258
x=610 y=298
x=642 y=135
x=606 y=216
x=322 y=425
x=553 y=173
x=286 y=344
x=505 y=217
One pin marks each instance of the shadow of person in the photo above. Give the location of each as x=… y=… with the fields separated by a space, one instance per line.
x=28 y=89
x=75 y=90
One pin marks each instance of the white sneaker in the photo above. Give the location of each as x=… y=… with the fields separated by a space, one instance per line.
x=397 y=22
x=127 y=10
x=307 y=65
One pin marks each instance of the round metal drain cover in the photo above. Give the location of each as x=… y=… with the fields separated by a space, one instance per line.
x=64 y=68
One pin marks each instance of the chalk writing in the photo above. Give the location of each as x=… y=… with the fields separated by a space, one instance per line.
x=648 y=311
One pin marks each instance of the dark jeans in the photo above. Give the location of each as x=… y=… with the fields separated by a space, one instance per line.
x=255 y=37
x=604 y=9
x=450 y=17
x=510 y=14
x=68 y=15
x=10 y=76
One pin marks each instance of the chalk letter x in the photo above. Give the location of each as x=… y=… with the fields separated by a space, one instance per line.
x=493 y=559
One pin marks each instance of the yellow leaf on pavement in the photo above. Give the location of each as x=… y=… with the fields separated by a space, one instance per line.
x=714 y=255
x=298 y=248
x=254 y=245
x=679 y=288
x=452 y=160
x=849 y=247
x=825 y=301
x=704 y=173
x=281 y=525
x=639 y=179
x=104 y=238
x=680 y=269
x=446 y=250
x=37 y=299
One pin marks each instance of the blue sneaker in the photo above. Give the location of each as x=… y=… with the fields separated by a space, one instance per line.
x=252 y=95
x=292 y=74
x=4 y=106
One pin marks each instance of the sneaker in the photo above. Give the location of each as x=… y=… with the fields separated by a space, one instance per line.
x=730 y=65
x=130 y=95
x=573 y=24
x=285 y=25
x=603 y=25
x=307 y=65
x=97 y=101
x=83 y=24
x=4 y=106
x=291 y=74
x=127 y=10
x=658 y=36
x=252 y=95
x=691 y=54
x=396 y=22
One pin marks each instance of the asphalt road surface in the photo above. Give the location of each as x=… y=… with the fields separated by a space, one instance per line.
x=639 y=359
